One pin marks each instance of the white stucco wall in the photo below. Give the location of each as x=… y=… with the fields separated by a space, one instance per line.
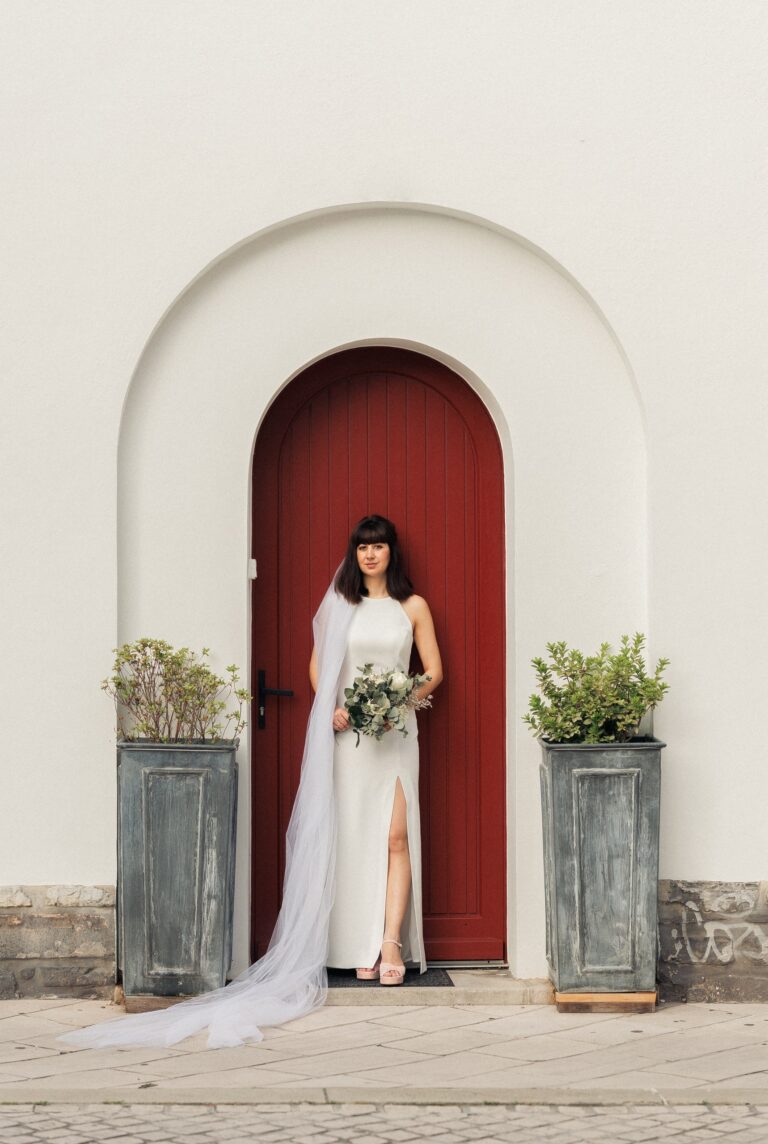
x=622 y=144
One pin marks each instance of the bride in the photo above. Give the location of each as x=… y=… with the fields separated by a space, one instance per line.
x=291 y=978
x=376 y=783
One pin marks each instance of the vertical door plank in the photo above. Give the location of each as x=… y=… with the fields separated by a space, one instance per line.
x=473 y=667
x=378 y=445
x=320 y=496
x=435 y=556
x=461 y=756
x=358 y=448
x=340 y=479
x=397 y=474
x=414 y=536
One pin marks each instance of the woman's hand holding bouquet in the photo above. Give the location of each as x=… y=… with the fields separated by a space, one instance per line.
x=379 y=700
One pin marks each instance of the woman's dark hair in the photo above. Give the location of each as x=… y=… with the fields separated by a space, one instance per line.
x=349 y=580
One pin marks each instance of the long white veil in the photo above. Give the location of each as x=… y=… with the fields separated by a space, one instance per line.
x=291 y=978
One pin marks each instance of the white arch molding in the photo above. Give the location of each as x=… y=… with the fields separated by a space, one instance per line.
x=502 y=315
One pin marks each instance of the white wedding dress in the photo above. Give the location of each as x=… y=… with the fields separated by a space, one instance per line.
x=365 y=778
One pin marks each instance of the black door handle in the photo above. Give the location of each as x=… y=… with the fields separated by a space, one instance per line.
x=263 y=692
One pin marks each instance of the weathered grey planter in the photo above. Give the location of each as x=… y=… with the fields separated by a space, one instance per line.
x=176 y=866
x=600 y=814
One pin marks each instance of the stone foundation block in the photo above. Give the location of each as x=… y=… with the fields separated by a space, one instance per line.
x=14 y=897
x=57 y=933
x=7 y=985
x=57 y=941
x=80 y=896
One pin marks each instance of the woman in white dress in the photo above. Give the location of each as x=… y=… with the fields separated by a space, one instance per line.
x=376 y=921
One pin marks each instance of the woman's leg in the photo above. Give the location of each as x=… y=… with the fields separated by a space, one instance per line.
x=398 y=878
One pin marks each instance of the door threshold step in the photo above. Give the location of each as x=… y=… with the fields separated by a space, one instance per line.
x=470 y=987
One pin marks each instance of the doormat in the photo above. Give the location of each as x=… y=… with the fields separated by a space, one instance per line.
x=346 y=979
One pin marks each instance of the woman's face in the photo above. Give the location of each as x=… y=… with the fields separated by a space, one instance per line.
x=373 y=557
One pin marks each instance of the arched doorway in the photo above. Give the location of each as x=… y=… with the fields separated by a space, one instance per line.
x=387 y=430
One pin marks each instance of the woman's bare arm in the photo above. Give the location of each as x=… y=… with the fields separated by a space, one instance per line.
x=425 y=639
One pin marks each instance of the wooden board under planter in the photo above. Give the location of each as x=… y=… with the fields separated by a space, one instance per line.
x=606 y=1002
x=147 y=1002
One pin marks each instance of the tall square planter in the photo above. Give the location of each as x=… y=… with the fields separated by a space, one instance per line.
x=176 y=866
x=600 y=816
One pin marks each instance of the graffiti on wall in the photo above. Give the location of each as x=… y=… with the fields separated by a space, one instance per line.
x=718 y=940
x=714 y=922
x=713 y=941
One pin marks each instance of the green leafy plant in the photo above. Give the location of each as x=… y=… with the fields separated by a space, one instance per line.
x=594 y=699
x=172 y=696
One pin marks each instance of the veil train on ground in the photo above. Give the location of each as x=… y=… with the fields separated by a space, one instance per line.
x=291 y=978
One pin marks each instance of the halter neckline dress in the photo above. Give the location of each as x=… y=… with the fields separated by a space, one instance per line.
x=364 y=780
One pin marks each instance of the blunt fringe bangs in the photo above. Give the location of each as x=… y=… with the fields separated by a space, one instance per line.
x=373 y=529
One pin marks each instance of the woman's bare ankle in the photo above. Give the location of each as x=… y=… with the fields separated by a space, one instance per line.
x=393 y=957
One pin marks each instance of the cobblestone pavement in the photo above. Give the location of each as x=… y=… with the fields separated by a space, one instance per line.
x=380 y=1124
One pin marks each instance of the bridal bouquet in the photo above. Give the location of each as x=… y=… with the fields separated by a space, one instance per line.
x=380 y=699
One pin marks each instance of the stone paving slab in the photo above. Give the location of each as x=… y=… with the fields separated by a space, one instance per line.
x=489 y=1053
x=382 y=1123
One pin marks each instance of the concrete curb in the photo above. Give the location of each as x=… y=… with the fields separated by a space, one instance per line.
x=708 y=1094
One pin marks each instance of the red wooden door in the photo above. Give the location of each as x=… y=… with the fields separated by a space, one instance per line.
x=394 y=432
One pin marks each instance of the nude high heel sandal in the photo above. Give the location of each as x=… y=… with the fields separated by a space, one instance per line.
x=388 y=967
x=369 y=974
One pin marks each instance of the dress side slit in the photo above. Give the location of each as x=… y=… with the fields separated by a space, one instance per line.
x=406 y=920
